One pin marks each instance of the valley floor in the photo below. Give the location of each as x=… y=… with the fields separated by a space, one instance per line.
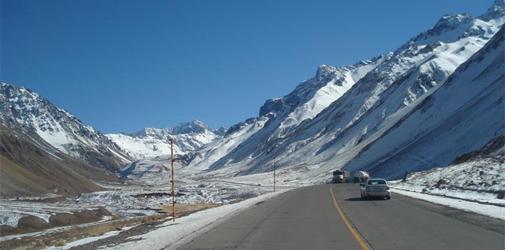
x=55 y=221
x=134 y=214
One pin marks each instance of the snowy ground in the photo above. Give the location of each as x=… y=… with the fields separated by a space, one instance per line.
x=88 y=240
x=489 y=210
x=11 y=210
x=477 y=186
x=473 y=186
x=165 y=234
x=147 y=193
x=481 y=180
x=172 y=235
x=132 y=200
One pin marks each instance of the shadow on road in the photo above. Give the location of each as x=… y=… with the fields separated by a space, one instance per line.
x=369 y=199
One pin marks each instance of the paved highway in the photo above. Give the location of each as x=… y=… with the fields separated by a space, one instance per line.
x=334 y=217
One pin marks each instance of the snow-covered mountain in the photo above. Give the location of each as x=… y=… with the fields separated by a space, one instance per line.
x=21 y=108
x=437 y=97
x=465 y=113
x=152 y=142
x=279 y=116
x=31 y=166
x=333 y=120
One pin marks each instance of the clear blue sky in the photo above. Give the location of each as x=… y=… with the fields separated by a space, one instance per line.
x=124 y=65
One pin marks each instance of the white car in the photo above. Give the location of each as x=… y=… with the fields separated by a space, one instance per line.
x=375 y=187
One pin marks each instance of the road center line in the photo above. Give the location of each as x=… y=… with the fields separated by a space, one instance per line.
x=364 y=245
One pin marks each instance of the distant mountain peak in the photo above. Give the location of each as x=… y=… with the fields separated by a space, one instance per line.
x=221 y=131
x=495 y=11
x=195 y=126
x=325 y=71
x=447 y=29
x=22 y=108
x=452 y=19
x=451 y=28
x=10 y=90
x=153 y=142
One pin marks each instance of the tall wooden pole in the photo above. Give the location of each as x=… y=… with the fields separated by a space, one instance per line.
x=173 y=177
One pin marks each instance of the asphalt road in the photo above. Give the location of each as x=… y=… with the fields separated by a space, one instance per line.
x=311 y=218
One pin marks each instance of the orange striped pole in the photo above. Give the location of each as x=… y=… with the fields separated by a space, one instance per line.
x=173 y=177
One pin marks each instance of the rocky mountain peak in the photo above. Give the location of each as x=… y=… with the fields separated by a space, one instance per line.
x=324 y=71
x=23 y=108
x=495 y=11
x=194 y=126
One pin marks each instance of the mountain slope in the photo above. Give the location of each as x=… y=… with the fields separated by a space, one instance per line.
x=461 y=116
x=30 y=166
x=387 y=94
x=152 y=142
x=277 y=117
x=21 y=108
x=371 y=107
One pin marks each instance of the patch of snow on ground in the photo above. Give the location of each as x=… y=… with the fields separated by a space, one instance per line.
x=138 y=200
x=170 y=235
x=481 y=180
x=11 y=211
x=489 y=210
x=88 y=240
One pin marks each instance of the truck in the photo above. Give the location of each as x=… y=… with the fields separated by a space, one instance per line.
x=340 y=176
x=360 y=176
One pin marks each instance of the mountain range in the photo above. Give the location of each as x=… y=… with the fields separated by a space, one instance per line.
x=437 y=97
x=25 y=110
x=151 y=142
x=303 y=131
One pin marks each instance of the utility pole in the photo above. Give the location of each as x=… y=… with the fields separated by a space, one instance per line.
x=173 y=177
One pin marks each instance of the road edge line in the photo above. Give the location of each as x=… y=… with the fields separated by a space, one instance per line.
x=357 y=236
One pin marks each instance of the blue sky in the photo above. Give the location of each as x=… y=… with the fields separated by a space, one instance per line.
x=124 y=65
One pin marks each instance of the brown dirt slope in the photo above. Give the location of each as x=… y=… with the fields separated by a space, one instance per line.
x=29 y=166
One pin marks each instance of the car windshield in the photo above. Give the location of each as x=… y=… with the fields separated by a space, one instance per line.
x=376 y=182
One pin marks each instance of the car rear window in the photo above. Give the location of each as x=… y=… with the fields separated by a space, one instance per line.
x=376 y=182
